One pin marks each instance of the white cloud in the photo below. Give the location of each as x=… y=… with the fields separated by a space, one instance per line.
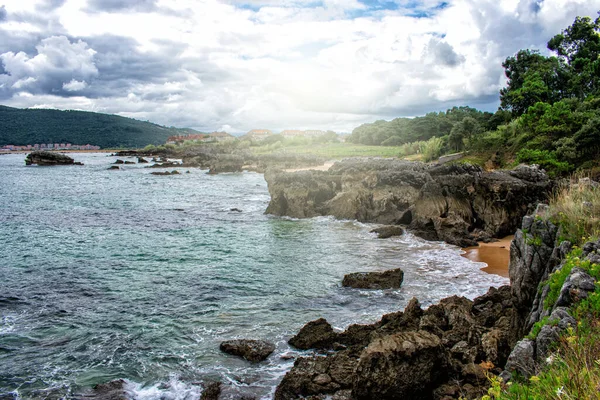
x=74 y=85
x=297 y=63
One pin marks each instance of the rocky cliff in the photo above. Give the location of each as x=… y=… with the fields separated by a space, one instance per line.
x=458 y=204
x=445 y=351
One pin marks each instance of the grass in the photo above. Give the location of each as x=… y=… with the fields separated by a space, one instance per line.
x=575 y=206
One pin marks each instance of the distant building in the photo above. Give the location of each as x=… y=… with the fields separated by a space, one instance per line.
x=258 y=134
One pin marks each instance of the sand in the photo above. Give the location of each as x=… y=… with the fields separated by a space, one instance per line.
x=495 y=255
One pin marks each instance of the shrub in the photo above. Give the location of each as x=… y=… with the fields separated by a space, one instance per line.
x=545 y=159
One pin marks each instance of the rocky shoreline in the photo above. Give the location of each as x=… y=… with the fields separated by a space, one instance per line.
x=448 y=350
x=458 y=204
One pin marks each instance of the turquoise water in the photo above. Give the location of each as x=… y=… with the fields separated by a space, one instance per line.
x=123 y=274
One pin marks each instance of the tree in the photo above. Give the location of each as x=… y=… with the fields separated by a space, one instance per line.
x=532 y=78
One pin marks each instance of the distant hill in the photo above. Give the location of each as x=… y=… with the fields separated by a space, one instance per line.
x=29 y=126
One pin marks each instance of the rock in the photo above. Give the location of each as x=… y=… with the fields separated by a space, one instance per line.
x=119 y=162
x=113 y=167
x=142 y=160
x=521 y=359
x=316 y=334
x=443 y=202
x=113 y=390
x=404 y=365
x=391 y=279
x=174 y=172
x=235 y=210
x=322 y=379
x=129 y=162
x=576 y=287
x=385 y=232
x=251 y=350
x=211 y=391
x=46 y=158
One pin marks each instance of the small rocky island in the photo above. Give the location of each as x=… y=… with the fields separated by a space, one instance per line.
x=47 y=158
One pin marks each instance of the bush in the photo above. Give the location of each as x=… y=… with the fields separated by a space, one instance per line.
x=545 y=159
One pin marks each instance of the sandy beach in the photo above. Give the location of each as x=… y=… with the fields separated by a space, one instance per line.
x=495 y=255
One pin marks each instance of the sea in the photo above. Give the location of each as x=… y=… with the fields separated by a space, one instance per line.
x=121 y=274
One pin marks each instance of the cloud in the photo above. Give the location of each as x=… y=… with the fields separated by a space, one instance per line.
x=122 y=5
x=330 y=64
x=58 y=61
x=3 y=13
x=74 y=85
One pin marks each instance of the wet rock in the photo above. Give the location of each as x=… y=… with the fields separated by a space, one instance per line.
x=113 y=390
x=249 y=349
x=391 y=279
x=235 y=210
x=385 y=232
x=129 y=162
x=119 y=162
x=113 y=167
x=316 y=334
x=211 y=391
x=46 y=158
x=403 y=365
x=165 y=173
x=142 y=160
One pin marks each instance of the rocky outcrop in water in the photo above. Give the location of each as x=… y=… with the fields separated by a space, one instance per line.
x=391 y=279
x=386 y=232
x=411 y=354
x=249 y=349
x=47 y=158
x=458 y=204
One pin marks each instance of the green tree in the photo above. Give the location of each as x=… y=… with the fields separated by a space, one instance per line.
x=579 y=47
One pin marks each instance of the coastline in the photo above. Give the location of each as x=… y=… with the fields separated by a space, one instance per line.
x=495 y=255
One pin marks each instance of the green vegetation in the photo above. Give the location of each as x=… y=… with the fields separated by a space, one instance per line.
x=575 y=206
x=331 y=150
x=572 y=371
x=549 y=114
x=30 y=126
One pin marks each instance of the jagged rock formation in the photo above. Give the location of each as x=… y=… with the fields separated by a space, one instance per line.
x=249 y=349
x=458 y=204
x=444 y=351
x=47 y=158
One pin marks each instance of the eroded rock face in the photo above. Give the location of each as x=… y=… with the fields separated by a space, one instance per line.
x=391 y=279
x=413 y=353
x=47 y=158
x=249 y=349
x=402 y=365
x=443 y=202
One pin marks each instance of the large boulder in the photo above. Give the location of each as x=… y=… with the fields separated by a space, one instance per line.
x=406 y=365
x=249 y=349
x=391 y=279
x=47 y=158
x=316 y=334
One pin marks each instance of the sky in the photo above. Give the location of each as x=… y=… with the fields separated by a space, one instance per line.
x=237 y=65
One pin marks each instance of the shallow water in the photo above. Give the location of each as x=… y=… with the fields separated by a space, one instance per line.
x=123 y=274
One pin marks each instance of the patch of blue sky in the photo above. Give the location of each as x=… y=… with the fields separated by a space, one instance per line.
x=256 y=5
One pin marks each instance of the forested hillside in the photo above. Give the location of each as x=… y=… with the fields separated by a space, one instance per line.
x=30 y=126
x=549 y=111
